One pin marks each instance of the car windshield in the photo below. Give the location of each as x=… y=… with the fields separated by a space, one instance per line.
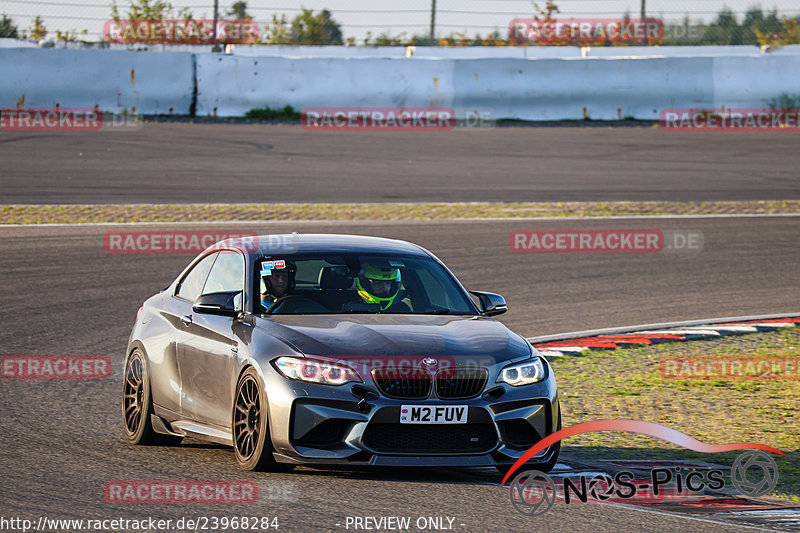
x=357 y=283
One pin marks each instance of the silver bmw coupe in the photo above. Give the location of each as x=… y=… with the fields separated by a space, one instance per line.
x=335 y=349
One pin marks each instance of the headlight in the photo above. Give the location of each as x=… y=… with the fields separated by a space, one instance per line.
x=522 y=373
x=316 y=371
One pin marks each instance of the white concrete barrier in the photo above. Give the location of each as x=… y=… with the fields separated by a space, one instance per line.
x=786 y=50
x=234 y=84
x=538 y=89
x=503 y=52
x=495 y=52
x=608 y=89
x=112 y=80
x=753 y=81
x=18 y=43
x=424 y=52
x=673 y=51
x=522 y=88
x=317 y=51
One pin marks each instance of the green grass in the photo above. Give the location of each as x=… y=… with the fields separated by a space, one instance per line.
x=627 y=384
x=286 y=113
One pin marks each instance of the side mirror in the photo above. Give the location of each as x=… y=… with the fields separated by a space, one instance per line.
x=491 y=304
x=217 y=303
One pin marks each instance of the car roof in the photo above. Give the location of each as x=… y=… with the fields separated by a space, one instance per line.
x=299 y=243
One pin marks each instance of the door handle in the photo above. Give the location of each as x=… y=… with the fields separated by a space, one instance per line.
x=187 y=319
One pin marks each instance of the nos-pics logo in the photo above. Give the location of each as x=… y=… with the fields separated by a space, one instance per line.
x=532 y=492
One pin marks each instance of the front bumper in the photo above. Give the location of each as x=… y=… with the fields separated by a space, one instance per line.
x=357 y=425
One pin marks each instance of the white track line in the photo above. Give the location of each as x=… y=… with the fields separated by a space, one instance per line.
x=744 y=329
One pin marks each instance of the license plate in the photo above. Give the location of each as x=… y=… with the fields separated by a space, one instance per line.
x=433 y=414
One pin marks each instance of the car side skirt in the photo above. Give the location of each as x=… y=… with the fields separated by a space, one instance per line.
x=173 y=424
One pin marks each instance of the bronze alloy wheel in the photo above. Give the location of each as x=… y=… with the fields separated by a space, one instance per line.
x=137 y=404
x=247 y=418
x=251 y=442
x=133 y=396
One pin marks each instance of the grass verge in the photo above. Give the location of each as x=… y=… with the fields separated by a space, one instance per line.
x=93 y=213
x=627 y=384
x=287 y=113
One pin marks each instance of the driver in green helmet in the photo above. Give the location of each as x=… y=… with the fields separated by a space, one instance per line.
x=380 y=285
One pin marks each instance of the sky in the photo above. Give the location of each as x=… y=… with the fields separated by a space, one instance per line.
x=357 y=17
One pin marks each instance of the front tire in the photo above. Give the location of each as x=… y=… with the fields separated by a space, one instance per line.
x=250 y=428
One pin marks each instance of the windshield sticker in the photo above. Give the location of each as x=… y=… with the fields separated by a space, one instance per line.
x=266 y=273
x=396 y=264
x=267 y=265
x=280 y=263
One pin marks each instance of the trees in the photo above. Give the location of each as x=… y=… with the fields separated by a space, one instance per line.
x=725 y=30
x=306 y=28
x=545 y=13
x=151 y=10
x=38 y=29
x=789 y=33
x=8 y=29
x=239 y=11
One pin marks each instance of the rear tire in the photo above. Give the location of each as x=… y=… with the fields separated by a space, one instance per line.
x=137 y=403
x=252 y=445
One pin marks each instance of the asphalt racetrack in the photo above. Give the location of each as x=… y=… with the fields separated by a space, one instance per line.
x=223 y=163
x=62 y=440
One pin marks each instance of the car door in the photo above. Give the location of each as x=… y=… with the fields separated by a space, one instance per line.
x=208 y=348
x=165 y=380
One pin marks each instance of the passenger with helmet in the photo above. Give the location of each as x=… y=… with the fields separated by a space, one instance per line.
x=380 y=285
x=277 y=283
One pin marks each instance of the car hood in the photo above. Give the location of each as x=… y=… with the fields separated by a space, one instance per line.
x=342 y=336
